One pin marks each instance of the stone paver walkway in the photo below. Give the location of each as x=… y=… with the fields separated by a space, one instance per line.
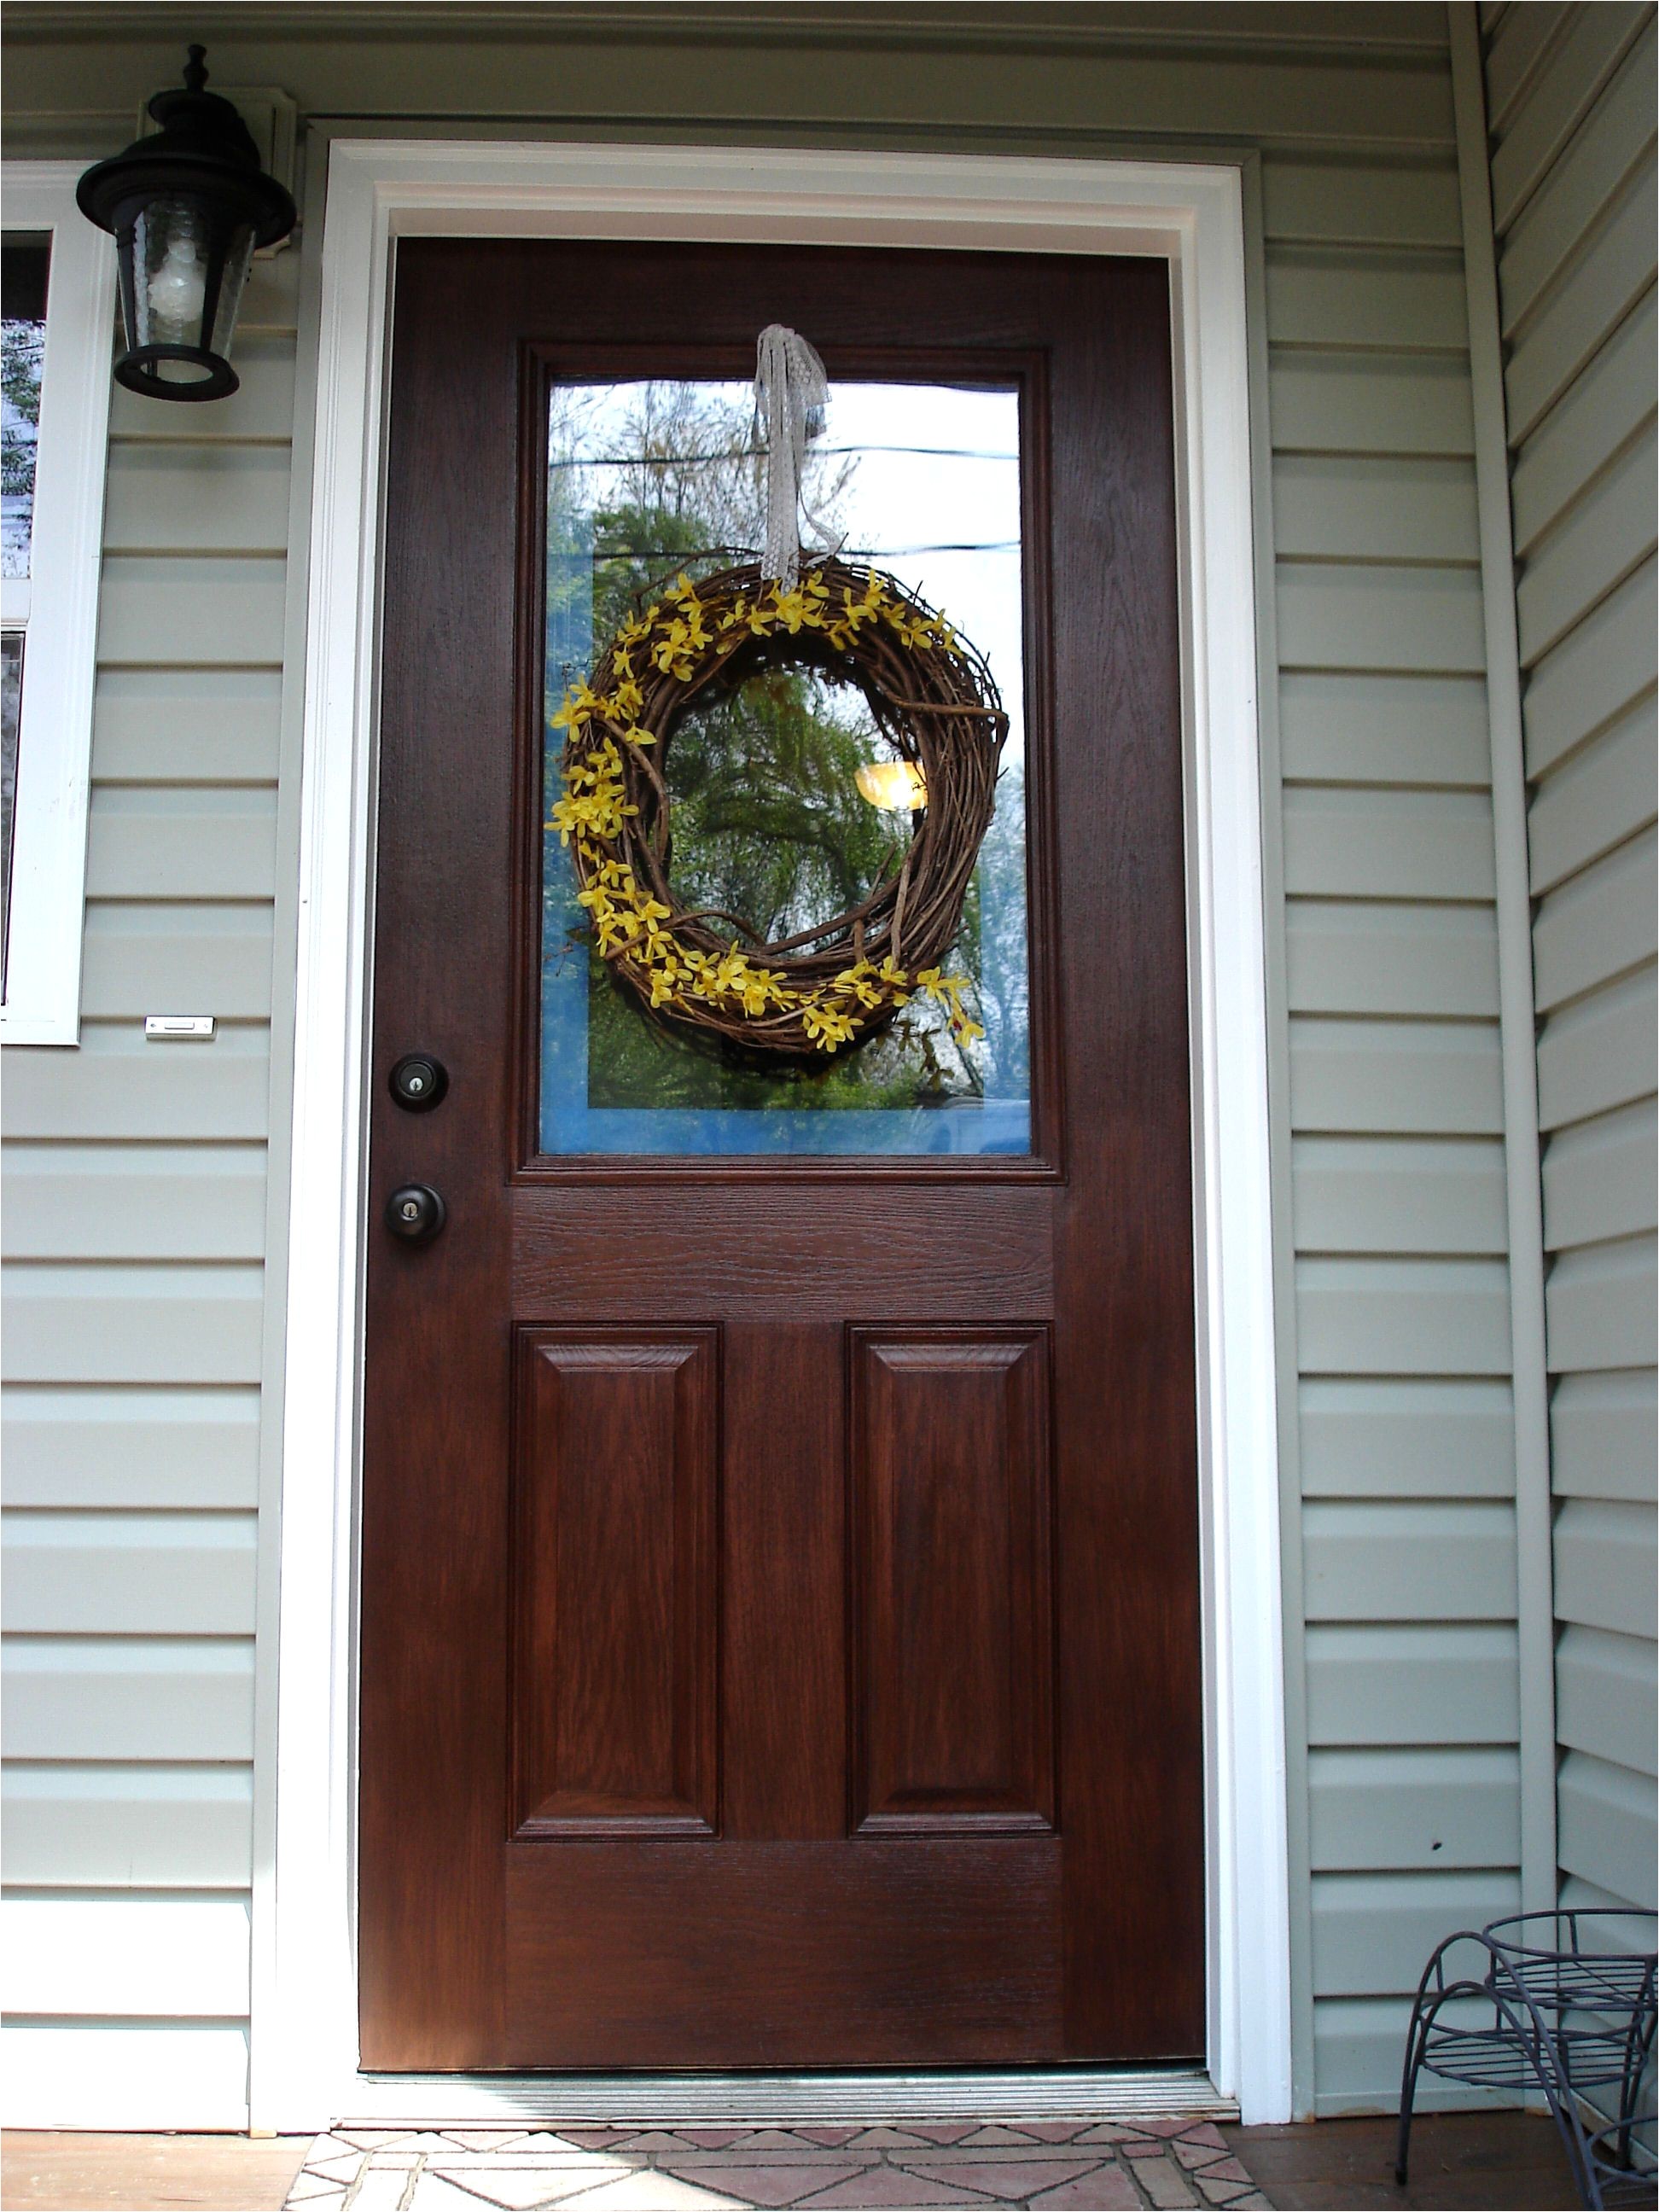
x=1059 y=2166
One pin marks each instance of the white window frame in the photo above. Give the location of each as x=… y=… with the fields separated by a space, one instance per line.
x=57 y=609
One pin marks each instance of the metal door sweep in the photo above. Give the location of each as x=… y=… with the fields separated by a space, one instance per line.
x=1031 y=2093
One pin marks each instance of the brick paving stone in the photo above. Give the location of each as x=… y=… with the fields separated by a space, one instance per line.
x=1204 y=2131
x=886 y=2189
x=718 y=2138
x=456 y=2160
x=649 y=2192
x=313 y=2189
x=380 y=2190
x=1016 y=2177
x=768 y=2185
x=1229 y=2169
x=435 y=2192
x=1108 y=2189
x=932 y=2158
x=883 y=2138
x=411 y=2146
x=1221 y=2192
x=498 y=2138
x=1113 y=2131
x=831 y=2135
x=1162 y=2182
x=740 y=2154
x=935 y=2131
x=343 y=2167
x=996 y=2133
x=1053 y=2131
x=661 y=2139
x=1164 y=2128
x=1192 y=2153
x=516 y=2188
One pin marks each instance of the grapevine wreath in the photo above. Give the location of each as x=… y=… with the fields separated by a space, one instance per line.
x=935 y=700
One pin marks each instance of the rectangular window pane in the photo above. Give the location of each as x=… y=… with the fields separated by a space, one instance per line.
x=771 y=824
x=11 y=707
x=22 y=352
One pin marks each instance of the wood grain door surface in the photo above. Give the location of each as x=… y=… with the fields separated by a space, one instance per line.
x=780 y=1607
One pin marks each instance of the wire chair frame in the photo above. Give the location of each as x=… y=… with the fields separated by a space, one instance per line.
x=1564 y=2020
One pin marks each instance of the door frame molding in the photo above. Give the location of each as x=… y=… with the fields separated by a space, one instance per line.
x=304 y=2058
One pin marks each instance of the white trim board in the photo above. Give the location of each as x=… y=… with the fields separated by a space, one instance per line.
x=57 y=607
x=304 y=2065
x=1524 y=1176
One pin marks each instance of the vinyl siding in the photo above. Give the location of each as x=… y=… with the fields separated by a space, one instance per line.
x=135 y=1227
x=1385 y=928
x=1571 y=95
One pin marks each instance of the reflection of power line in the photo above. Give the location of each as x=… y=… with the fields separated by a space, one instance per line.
x=844 y=552
x=758 y=453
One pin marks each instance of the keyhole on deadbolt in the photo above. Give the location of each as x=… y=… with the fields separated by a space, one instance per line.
x=418 y=1082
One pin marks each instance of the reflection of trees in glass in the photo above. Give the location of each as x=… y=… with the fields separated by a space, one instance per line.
x=23 y=353
x=767 y=823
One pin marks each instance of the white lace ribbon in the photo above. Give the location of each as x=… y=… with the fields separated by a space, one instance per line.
x=791 y=390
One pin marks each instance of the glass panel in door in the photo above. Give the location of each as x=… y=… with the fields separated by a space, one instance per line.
x=788 y=805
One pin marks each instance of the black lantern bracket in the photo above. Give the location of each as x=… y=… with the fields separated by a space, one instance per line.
x=271 y=120
x=188 y=205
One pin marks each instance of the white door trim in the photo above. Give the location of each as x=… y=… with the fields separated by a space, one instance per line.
x=304 y=2029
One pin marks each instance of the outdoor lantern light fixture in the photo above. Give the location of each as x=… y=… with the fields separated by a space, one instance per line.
x=187 y=206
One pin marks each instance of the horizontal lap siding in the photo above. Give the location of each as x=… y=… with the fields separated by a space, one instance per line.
x=1387 y=926
x=1399 y=1210
x=1572 y=169
x=133 y=1296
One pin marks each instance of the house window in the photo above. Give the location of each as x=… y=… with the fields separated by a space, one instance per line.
x=57 y=299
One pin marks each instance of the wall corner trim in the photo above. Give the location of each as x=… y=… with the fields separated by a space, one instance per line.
x=1530 y=1381
x=1188 y=214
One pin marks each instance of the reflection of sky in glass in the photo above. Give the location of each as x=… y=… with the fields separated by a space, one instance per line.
x=933 y=498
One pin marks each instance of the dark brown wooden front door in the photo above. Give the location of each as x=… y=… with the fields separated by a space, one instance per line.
x=779 y=1614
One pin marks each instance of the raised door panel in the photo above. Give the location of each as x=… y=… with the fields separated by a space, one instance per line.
x=890 y=1951
x=953 y=1655
x=615 y=1681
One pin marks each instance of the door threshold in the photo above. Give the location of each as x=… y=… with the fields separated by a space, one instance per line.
x=435 y=2101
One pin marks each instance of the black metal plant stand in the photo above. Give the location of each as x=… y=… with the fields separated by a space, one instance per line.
x=1560 y=2001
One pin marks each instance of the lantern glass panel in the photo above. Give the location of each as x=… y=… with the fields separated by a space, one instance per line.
x=175 y=243
x=238 y=256
x=170 y=261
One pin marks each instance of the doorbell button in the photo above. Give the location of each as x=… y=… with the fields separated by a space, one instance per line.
x=418 y=1082
x=415 y=1212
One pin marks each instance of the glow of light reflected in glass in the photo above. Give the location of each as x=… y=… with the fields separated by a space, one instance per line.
x=894 y=787
x=177 y=288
